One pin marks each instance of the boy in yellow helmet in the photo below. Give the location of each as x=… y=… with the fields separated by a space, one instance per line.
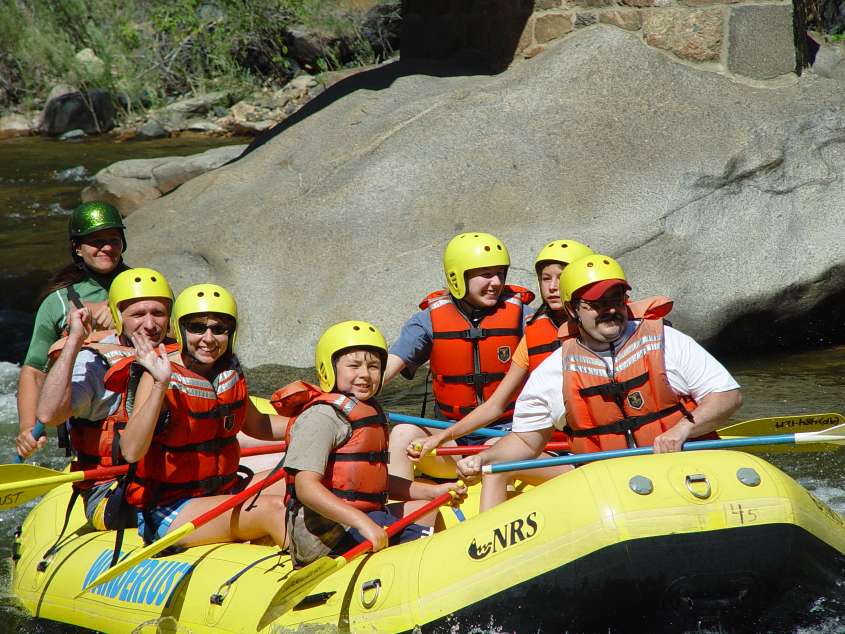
x=337 y=452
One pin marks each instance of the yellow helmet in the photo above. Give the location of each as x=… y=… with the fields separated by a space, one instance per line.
x=562 y=251
x=140 y=283
x=203 y=298
x=589 y=270
x=471 y=251
x=340 y=337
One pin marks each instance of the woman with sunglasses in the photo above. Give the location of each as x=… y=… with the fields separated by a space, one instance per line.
x=181 y=434
x=97 y=243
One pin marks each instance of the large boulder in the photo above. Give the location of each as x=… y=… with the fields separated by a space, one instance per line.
x=709 y=190
x=93 y=112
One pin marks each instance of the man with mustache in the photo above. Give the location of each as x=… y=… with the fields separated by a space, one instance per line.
x=621 y=383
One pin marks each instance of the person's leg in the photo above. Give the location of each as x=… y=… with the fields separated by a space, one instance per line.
x=250 y=520
x=401 y=466
x=494 y=486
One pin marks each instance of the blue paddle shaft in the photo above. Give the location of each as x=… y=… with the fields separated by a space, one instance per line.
x=725 y=443
x=439 y=424
x=37 y=432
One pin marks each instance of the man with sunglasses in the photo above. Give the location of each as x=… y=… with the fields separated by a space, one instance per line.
x=622 y=382
x=140 y=301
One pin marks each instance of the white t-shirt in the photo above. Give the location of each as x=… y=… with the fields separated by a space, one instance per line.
x=690 y=369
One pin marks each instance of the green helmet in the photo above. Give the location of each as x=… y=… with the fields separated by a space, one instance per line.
x=89 y=218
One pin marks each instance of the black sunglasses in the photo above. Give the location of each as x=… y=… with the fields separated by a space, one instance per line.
x=199 y=328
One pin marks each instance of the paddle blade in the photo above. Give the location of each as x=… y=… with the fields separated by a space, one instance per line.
x=298 y=586
x=20 y=483
x=782 y=425
x=137 y=556
x=834 y=435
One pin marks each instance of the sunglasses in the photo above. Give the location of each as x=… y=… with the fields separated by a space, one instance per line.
x=199 y=328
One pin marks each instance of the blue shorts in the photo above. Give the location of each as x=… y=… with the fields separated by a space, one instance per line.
x=382 y=518
x=473 y=439
x=160 y=518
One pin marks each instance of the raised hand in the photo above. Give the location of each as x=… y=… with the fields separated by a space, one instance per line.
x=156 y=362
x=79 y=323
x=100 y=314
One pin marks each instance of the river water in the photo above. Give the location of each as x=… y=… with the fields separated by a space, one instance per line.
x=40 y=181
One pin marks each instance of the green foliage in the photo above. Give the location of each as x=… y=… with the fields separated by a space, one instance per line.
x=156 y=49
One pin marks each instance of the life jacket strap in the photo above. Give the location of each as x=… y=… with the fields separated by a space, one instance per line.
x=475 y=332
x=546 y=347
x=209 y=445
x=478 y=379
x=220 y=411
x=376 y=420
x=373 y=457
x=614 y=389
x=629 y=423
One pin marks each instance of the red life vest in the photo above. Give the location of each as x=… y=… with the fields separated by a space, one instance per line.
x=543 y=337
x=356 y=471
x=96 y=443
x=194 y=450
x=468 y=362
x=637 y=399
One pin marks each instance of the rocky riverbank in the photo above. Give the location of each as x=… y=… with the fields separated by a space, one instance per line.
x=305 y=61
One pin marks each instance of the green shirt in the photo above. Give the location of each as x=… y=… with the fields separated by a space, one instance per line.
x=51 y=318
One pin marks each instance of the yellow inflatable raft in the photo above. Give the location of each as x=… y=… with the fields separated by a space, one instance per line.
x=669 y=540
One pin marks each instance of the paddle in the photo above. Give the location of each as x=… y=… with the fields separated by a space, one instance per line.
x=20 y=483
x=440 y=424
x=468 y=450
x=835 y=435
x=780 y=424
x=137 y=556
x=302 y=581
x=37 y=431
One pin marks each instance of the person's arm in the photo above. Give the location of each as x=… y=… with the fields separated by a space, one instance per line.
x=394 y=366
x=691 y=370
x=45 y=332
x=402 y=489
x=264 y=426
x=515 y=446
x=149 y=399
x=29 y=385
x=487 y=412
x=54 y=401
x=712 y=412
x=412 y=349
x=311 y=492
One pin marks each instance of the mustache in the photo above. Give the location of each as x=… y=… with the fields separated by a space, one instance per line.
x=612 y=317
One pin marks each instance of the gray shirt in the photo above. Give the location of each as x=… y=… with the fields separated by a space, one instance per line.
x=89 y=398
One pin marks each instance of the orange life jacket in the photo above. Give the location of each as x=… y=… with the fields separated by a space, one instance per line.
x=468 y=362
x=194 y=451
x=356 y=471
x=543 y=337
x=637 y=398
x=96 y=443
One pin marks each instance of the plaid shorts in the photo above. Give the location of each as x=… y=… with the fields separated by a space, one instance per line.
x=160 y=518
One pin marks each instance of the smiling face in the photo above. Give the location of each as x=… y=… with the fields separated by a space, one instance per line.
x=148 y=315
x=485 y=285
x=549 y=278
x=358 y=373
x=101 y=250
x=602 y=321
x=207 y=336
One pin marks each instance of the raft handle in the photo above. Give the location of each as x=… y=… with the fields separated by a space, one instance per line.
x=372 y=584
x=698 y=478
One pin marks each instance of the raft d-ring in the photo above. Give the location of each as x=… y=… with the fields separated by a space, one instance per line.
x=372 y=584
x=698 y=478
